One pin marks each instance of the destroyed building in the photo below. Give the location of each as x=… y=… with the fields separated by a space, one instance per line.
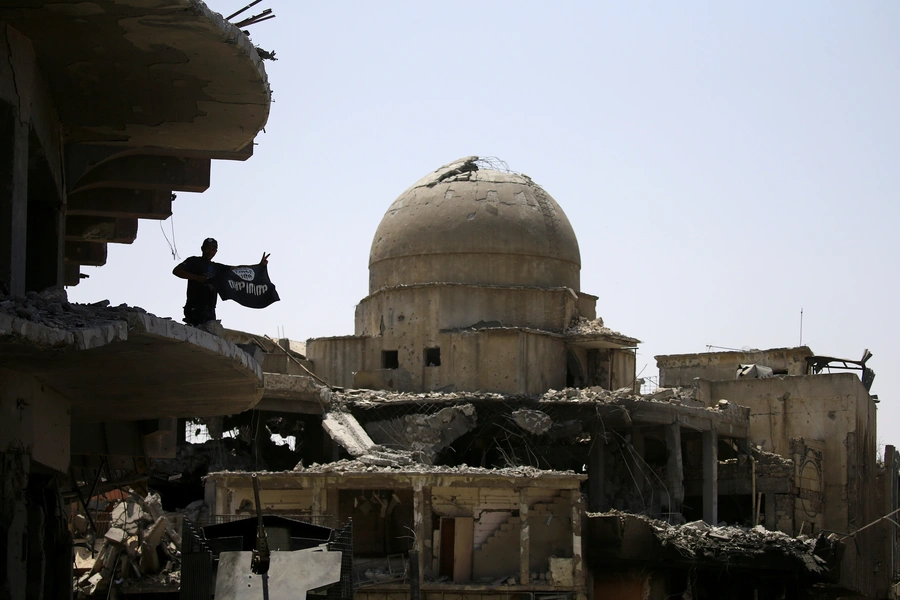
x=107 y=109
x=482 y=430
x=476 y=358
x=474 y=284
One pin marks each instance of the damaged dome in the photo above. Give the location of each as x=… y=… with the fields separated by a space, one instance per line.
x=470 y=223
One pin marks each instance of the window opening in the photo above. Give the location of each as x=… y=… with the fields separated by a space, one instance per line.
x=390 y=359
x=432 y=357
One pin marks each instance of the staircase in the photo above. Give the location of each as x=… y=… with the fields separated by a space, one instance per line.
x=498 y=555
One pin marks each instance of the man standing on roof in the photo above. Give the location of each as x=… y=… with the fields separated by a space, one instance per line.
x=199 y=271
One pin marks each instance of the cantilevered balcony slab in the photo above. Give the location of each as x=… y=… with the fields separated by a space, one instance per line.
x=142 y=367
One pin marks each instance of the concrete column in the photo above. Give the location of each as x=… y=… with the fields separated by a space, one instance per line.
x=319 y=498
x=711 y=476
x=422 y=524
x=13 y=198
x=577 y=550
x=596 y=475
x=524 y=539
x=674 y=469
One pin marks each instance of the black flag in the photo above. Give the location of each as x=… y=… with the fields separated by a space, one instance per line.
x=248 y=286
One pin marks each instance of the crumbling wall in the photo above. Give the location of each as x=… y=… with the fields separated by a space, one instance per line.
x=424 y=434
x=826 y=408
x=490 y=358
x=680 y=369
x=809 y=483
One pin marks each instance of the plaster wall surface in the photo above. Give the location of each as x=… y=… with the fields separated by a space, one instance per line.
x=679 y=370
x=496 y=360
x=837 y=411
x=420 y=311
x=34 y=418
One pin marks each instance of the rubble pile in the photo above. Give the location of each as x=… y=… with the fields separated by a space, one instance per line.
x=371 y=398
x=142 y=547
x=357 y=466
x=697 y=540
x=582 y=326
x=51 y=308
x=598 y=394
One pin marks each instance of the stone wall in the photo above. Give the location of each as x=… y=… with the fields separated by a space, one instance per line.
x=500 y=360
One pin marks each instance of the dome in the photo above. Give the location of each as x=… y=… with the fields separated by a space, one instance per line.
x=472 y=225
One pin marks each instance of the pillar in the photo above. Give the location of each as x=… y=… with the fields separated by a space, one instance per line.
x=13 y=198
x=422 y=524
x=674 y=469
x=578 y=577
x=524 y=539
x=596 y=474
x=711 y=476
x=319 y=499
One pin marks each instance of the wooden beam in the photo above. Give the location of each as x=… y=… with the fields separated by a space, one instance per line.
x=101 y=229
x=86 y=253
x=123 y=203
x=148 y=173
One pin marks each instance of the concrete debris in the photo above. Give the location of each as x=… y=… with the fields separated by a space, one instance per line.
x=532 y=421
x=582 y=326
x=51 y=308
x=424 y=434
x=357 y=466
x=364 y=399
x=137 y=550
x=372 y=398
x=346 y=431
x=698 y=543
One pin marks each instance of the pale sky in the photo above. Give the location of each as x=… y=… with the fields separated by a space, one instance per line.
x=723 y=164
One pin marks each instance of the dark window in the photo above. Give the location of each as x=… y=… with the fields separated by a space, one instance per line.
x=432 y=357
x=390 y=359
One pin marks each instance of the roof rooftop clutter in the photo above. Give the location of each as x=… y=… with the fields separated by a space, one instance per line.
x=107 y=110
x=483 y=432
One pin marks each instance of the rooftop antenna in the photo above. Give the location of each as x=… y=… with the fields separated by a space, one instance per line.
x=801 y=325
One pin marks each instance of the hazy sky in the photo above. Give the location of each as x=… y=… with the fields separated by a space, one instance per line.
x=723 y=164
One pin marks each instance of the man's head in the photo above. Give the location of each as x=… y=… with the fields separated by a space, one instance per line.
x=209 y=248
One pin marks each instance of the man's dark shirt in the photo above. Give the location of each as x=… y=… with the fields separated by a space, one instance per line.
x=201 y=294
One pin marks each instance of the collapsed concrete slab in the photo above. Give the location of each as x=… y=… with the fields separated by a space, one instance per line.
x=424 y=434
x=60 y=344
x=346 y=431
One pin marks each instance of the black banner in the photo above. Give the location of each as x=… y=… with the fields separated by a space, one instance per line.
x=248 y=286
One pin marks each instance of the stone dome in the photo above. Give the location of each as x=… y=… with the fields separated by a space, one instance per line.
x=472 y=225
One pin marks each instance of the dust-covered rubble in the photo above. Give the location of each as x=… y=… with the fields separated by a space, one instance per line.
x=357 y=466
x=141 y=547
x=51 y=308
x=698 y=541
x=583 y=326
